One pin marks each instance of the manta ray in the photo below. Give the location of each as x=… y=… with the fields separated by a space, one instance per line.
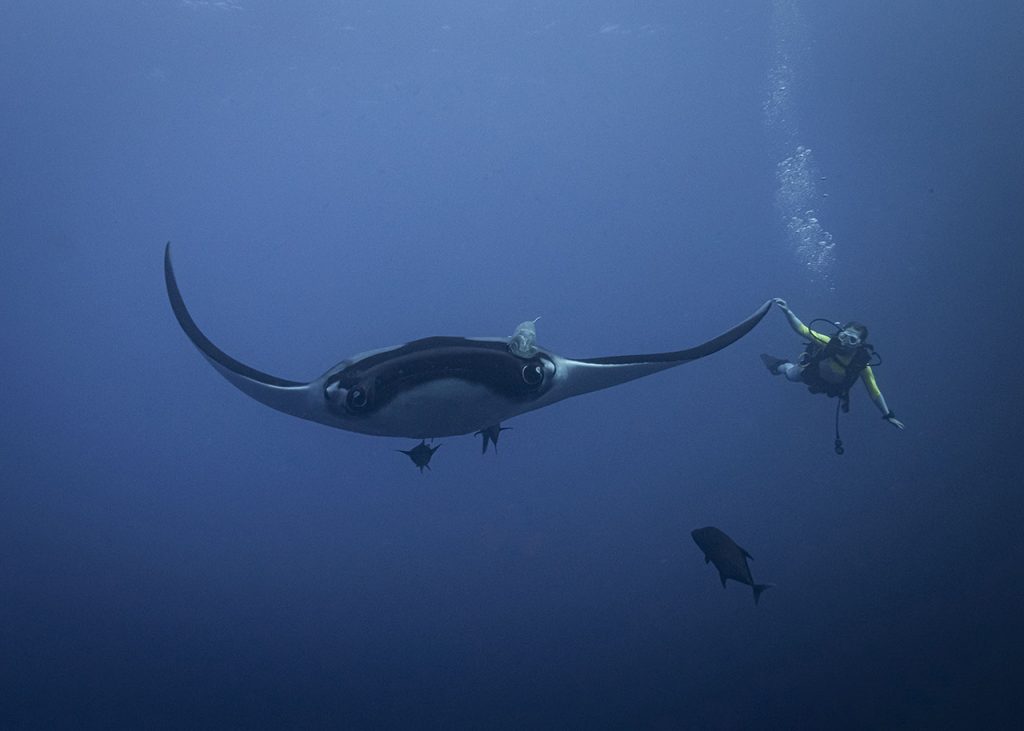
x=440 y=386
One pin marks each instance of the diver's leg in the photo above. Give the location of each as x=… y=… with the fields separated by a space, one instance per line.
x=779 y=366
x=792 y=372
x=773 y=364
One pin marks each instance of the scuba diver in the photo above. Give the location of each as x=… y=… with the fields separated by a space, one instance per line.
x=832 y=364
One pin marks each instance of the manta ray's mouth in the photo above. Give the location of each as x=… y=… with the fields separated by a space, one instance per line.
x=366 y=387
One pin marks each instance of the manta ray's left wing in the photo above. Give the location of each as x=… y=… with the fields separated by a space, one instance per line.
x=584 y=375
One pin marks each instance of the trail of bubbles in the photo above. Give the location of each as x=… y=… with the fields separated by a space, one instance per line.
x=814 y=246
x=796 y=174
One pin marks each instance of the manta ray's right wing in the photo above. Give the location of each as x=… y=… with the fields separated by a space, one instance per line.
x=291 y=397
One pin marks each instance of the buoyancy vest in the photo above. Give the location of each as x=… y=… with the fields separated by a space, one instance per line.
x=816 y=352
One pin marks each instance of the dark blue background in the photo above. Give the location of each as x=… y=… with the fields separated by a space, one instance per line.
x=341 y=176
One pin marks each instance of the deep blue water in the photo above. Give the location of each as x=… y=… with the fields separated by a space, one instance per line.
x=343 y=176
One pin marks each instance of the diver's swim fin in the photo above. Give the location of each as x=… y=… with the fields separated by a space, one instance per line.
x=772 y=363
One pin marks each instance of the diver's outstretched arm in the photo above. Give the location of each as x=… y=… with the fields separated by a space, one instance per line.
x=794 y=322
x=868 y=376
x=888 y=415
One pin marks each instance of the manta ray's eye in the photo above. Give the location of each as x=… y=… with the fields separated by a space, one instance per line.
x=357 y=398
x=533 y=373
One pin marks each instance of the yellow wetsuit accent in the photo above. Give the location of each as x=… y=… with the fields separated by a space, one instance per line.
x=833 y=369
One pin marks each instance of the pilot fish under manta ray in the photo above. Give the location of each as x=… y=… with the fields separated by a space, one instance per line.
x=439 y=386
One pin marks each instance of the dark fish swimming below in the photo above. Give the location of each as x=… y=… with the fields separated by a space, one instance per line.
x=728 y=558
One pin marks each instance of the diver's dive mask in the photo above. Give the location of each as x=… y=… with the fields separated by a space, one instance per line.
x=849 y=338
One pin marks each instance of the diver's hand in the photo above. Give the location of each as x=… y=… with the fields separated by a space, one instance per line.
x=894 y=421
x=781 y=303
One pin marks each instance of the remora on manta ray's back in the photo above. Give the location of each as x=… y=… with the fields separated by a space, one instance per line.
x=439 y=386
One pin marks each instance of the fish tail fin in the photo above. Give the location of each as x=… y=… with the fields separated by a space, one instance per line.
x=758 y=588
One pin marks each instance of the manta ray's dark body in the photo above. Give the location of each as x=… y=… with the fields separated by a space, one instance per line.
x=438 y=386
